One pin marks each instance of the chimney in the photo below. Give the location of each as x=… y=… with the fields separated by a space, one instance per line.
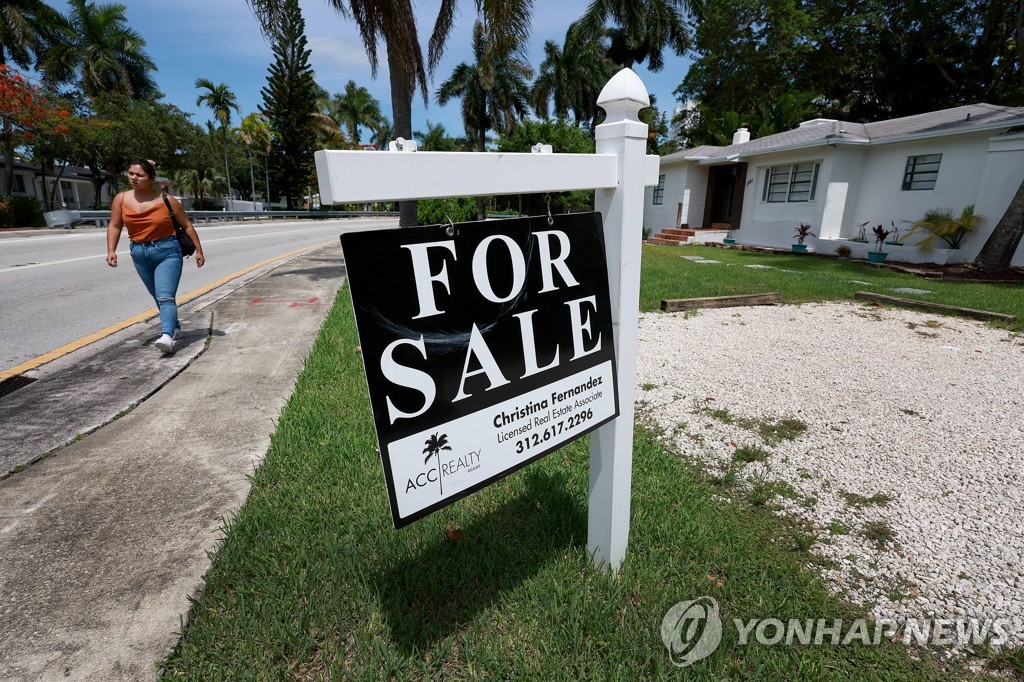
x=740 y=136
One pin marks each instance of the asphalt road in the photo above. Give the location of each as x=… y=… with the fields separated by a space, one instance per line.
x=56 y=288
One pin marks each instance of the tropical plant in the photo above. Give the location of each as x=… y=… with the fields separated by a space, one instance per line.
x=96 y=47
x=642 y=29
x=802 y=232
x=940 y=223
x=436 y=139
x=571 y=77
x=895 y=232
x=254 y=133
x=435 y=444
x=393 y=23
x=221 y=100
x=493 y=90
x=356 y=108
x=843 y=251
x=880 y=235
x=862 y=231
x=199 y=183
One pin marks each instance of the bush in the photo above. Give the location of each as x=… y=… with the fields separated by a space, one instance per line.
x=438 y=211
x=940 y=223
x=20 y=212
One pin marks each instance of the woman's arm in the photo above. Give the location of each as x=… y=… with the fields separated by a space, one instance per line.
x=183 y=220
x=114 y=230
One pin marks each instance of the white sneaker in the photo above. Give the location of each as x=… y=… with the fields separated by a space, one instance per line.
x=165 y=344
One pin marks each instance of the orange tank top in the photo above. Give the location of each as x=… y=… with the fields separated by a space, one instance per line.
x=148 y=225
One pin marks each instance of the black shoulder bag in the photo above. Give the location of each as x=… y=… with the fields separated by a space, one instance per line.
x=187 y=247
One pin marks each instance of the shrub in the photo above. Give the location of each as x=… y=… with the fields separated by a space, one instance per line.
x=843 y=251
x=20 y=212
x=940 y=223
x=438 y=211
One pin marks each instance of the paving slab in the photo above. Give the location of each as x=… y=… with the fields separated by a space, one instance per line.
x=103 y=543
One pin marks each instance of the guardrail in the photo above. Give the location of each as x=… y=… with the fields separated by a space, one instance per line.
x=100 y=218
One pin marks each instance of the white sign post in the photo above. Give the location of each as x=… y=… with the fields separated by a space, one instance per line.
x=618 y=170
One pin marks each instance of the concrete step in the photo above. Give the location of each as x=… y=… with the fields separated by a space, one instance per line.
x=663 y=242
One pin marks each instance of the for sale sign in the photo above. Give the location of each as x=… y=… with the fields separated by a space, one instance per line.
x=486 y=345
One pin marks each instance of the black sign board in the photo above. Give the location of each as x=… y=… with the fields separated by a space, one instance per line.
x=487 y=345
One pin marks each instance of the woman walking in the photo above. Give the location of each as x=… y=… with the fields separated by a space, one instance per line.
x=146 y=212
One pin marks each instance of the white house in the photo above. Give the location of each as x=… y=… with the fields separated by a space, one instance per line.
x=836 y=175
x=74 y=190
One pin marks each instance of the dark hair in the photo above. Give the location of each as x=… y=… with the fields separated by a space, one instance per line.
x=145 y=164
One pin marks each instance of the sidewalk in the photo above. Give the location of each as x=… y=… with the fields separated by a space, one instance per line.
x=103 y=542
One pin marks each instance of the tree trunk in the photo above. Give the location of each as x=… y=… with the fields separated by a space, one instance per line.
x=227 y=172
x=252 y=181
x=8 y=159
x=402 y=85
x=997 y=254
x=481 y=142
x=98 y=180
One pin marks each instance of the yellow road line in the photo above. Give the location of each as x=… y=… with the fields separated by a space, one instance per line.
x=142 y=317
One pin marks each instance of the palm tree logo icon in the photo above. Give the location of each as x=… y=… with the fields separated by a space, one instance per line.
x=435 y=444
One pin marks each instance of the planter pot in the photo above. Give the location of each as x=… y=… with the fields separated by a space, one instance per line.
x=799 y=248
x=728 y=241
x=877 y=256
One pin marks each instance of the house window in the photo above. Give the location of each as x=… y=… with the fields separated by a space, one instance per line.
x=18 y=186
x=659 y=191
x=790 y=183
x=921 y=172
x=67 y=190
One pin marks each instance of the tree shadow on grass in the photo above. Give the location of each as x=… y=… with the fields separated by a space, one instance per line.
x=427 y=597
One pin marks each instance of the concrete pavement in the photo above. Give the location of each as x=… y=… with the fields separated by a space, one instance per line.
x=103 y=542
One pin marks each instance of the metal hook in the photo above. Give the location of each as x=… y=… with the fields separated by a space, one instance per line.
x=547 y=200
x=450 y=229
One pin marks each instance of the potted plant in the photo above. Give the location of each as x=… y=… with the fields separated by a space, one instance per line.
x=895 y=232
x=878 y=256
x=728 y=238
x=802 y=232
x=862 y=235
x=940 y=223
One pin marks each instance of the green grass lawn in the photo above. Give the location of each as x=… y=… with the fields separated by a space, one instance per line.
x=667 y=275
x=313 y=583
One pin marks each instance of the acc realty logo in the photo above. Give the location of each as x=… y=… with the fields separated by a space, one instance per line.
x=434 y=448
x=692 y=630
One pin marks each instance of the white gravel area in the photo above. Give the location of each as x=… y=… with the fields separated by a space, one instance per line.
x=925 y=411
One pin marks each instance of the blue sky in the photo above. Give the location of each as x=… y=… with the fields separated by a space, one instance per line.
x=220 y=40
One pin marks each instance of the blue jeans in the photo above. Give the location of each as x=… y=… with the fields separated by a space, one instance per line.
x=159 y=265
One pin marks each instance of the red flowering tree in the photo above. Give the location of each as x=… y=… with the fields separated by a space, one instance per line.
x=25 y=113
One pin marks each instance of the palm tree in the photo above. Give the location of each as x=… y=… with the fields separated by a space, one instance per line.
x=571 y=77
x=95 y=46
x=643 y=28
x=394 y=22
x=382 y=134
x=221 y=101
x=435 y=444
x=436 y=139
x=493 y=90
x=23 y=24
x=255 y=134
x=356 y=108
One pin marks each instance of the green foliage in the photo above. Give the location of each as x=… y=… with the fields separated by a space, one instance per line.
x=289 y=101
x=438 y=211
x=493 y=88
x=20 y=211
x=940 y=223
x=773 y=63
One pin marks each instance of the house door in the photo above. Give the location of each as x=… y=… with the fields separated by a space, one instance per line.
x=724 y=201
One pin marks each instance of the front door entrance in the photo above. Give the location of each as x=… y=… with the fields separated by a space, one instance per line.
x=724 y=201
